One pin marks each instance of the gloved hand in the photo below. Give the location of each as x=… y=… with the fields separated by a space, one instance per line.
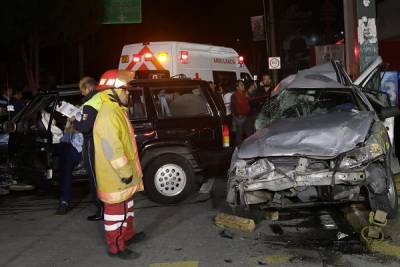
x=126 y=180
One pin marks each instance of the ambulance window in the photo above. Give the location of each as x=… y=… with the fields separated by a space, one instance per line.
x=227 y=79
x=137 y=105
x=246 y=78
x=178 y=102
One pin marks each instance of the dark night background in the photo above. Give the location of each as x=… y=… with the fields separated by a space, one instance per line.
x=219 y=22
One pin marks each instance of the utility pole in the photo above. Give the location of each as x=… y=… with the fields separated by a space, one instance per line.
x=274 y=52
x=367 y=32
x=350 y=33
x=266 y=30
x=270 y=37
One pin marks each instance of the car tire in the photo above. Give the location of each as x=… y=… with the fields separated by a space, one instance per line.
x=387 y=202
x=169 y=179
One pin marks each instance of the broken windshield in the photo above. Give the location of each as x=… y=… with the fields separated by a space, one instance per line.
x=296 y=103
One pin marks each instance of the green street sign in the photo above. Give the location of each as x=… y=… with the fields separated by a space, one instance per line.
x=122 y=11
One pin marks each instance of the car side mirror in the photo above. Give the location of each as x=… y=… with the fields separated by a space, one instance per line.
x=389 y=112
x=9 y=127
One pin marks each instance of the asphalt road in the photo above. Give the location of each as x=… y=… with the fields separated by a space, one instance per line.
x=177 y=236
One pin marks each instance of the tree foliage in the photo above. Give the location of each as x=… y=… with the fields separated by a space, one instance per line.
x=35 y=24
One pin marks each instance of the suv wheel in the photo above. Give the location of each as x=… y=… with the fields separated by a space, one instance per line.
x=169 y=179
x=387 y=202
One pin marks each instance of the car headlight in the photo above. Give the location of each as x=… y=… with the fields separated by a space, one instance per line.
x=357 y=157
x=254 y=169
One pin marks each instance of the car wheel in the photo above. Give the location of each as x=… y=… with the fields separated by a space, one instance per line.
x=387 y=202
x=169 y=179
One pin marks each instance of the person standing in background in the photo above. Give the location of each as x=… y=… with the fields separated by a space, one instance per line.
x=92 y=104
x=240 y=108
x=265 y=87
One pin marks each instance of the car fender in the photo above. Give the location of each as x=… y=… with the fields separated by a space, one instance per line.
x=155 y=149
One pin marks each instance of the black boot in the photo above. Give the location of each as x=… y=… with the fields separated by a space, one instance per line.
x=138 y=237
x=127 y=254
x=99 y=216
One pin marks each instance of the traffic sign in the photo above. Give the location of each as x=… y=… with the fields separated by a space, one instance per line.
x=274 y=63
x=122 y=11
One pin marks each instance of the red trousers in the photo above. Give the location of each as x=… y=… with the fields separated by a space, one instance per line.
x=118 y=223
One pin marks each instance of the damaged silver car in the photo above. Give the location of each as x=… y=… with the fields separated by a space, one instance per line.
x=321 y=139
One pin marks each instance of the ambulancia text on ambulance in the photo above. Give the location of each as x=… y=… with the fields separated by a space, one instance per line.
x=222 y=65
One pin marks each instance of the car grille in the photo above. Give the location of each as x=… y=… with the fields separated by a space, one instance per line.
x=290 y=163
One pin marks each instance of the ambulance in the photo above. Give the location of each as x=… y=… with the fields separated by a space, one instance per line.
x=222 y=65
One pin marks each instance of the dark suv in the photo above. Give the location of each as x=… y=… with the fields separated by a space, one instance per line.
x=179 y=127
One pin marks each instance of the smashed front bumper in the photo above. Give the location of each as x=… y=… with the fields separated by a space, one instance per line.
x=260 y=186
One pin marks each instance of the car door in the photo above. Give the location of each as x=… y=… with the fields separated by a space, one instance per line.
x=370 y=84
x=140 y=117
x=30 y=145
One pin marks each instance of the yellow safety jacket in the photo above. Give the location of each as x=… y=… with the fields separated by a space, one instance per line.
x=116 y=155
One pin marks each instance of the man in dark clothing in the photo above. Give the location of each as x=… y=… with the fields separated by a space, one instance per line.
x=92 y=104
x=69 y=151
x=265 y=87
x=17 y=102
x=5 y=103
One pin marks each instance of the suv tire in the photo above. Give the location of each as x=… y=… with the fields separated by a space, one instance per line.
x=387 y=202
x=169 y=179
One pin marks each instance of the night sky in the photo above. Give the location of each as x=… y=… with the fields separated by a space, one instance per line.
x=219 y=22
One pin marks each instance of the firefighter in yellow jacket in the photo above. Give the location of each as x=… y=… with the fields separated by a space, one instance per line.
x=118 y=170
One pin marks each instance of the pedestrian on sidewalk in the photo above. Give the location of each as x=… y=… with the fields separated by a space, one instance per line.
x=91 y=105
x=118 y=170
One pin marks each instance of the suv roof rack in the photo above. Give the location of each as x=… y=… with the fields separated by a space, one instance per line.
x=180 y=76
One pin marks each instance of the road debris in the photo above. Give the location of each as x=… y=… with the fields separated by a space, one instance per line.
x=226 y=234
x=341 y=235
x=374 y=231
x=272 y=215
x=234 y=222
x=207 y=186
x=272 y=259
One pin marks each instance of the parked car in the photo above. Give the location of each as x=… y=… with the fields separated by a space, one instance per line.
x=179 y=129
x=321 y=140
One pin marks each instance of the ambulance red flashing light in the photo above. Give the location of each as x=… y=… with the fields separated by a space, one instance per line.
x=136 y=58
x=184 y=57
x=241 y=60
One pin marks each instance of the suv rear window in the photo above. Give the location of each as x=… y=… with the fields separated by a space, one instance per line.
x=137 y=105
x=179 y=102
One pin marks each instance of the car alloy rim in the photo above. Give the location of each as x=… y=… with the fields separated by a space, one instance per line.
x=391 y=193
x=170 y=180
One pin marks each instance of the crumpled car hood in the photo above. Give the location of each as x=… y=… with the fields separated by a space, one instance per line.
x=326 y=135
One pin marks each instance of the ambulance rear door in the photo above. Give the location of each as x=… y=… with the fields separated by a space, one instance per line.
x=149 y=58
x=193 y=60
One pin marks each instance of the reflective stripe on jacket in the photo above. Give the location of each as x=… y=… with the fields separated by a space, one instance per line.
x=116 y=154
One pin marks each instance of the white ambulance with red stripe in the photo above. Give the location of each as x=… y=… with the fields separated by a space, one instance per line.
x=222 y=65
